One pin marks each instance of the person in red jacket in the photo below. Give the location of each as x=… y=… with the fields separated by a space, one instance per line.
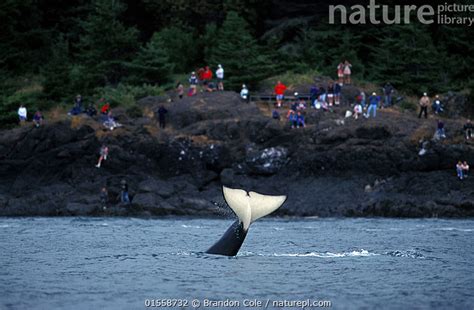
x=206 y=78
x=280 y=89
x=105 y=108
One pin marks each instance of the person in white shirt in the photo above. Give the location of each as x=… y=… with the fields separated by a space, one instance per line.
x=22 y=113
x=220 y=77
x=244 y=93
x=357 y=111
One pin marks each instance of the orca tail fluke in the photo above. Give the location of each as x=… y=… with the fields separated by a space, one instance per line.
x=248 y=207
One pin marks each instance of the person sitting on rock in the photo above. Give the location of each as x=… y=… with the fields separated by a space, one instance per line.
x=91 y=110
x=374 y=101
x=440 y=129
x=124 y=198
x=38 y=118
x=244 y=93
x=465 y=169
x=460 y=170
x=300 y=120
x=292 y=118
x=104 y=152
x=301 y=105
x=110 y=122
x=22 y=114
x=468 y=127
x=276 y=114
x=104 y=198
x=357 y=111
x=437 y=105
x=280 y=89
x=424 y=104
x=77 y=108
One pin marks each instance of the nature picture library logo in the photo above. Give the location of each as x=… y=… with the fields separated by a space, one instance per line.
x=374 y=13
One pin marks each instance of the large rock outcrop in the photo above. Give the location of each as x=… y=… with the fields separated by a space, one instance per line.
x=333 y=167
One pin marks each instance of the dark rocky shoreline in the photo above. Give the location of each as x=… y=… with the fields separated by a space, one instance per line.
x=333 y=167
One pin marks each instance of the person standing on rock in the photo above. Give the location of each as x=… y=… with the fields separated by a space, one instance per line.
x=468 y=127
x=244 y=93
x=124 y=198
x=104 y=152
x=162 y=116
x=193 y=82
x=104 y=198
x=460 y=170
x=373 y=104
x=22 y=114
x=180 y=89
x=424 y=104
x=440 y=130
x=387 y=91
x=313 y=94
x=465 y=169
x=340 y=73
x=280 y=89
x=347 y=72
x=330 y=94
x=363 y=99
x=337 y=93
x=206 y=77
x=437 y=105
x=220 y=77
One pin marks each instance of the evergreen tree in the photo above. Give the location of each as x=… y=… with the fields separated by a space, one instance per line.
x=107 y=44
x=406 y=57
x=244 y=61
x=56 y=73
x=152 y=63
x=180 y=46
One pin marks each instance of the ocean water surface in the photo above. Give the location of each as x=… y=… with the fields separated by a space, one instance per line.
x=127 y=263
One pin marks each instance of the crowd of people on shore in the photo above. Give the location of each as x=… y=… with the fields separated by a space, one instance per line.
x=321 y=97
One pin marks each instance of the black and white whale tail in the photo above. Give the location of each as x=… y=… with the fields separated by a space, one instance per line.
x=248 y=207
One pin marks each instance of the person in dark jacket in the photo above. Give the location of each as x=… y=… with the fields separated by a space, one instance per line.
x=437 y=105
x=38 y=118
x=161 y=116
x=387 y=91
x=124 y=192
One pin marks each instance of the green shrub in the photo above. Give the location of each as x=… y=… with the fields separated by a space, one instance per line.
x=127 y=95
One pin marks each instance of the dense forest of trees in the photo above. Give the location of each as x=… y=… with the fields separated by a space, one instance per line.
x=52 y=49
